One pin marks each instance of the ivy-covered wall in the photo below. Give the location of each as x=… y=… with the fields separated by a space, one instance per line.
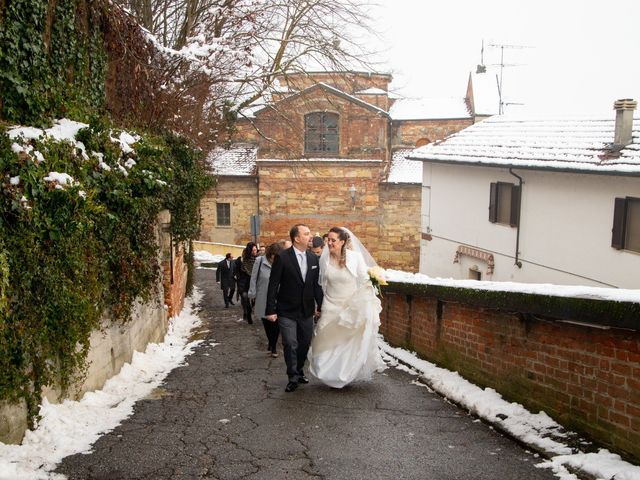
x=81 y=245
x=52 y=60
x=77 y=217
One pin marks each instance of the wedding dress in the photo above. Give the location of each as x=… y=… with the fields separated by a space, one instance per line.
x=344 y=347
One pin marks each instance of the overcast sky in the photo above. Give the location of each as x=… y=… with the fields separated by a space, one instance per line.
x=584 y=54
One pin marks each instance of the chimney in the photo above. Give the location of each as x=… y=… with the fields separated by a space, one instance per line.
x=624 y=122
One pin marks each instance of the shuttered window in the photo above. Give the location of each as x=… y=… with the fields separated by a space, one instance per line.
x=625 y=234
x=504 y=203
x=321 y=133
x=223 y=214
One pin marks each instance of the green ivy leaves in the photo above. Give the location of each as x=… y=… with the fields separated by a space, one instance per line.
x=50 y=72
x=69 y=255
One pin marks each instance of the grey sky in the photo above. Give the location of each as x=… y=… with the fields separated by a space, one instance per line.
x=584 y=56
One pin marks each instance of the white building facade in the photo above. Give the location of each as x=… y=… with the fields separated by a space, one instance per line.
x=534 y=201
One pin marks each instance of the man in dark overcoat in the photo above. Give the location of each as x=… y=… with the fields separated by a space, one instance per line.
x=225 y=275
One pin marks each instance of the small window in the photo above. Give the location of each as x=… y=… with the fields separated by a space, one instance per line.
x=223 y=213
x=626 y=224
x=504 y=203
x=321 y=133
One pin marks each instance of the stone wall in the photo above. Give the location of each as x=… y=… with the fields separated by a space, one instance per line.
x=242 y=194
x=317 y=193
x=113 y=345
x=110 y=348
x=407 y=133
x=399 y=237
x=583 y=372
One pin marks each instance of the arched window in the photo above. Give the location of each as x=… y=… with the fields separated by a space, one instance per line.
x=422 y=141
x=321 y=133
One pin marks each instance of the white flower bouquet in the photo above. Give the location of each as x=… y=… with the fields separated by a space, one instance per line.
x=376 y=275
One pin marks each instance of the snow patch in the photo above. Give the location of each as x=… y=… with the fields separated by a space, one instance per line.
x=73 y=426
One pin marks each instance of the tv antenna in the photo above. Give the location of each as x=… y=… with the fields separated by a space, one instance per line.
x=482 y=68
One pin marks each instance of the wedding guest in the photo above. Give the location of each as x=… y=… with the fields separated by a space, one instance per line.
x=225 y=275
x=325 y=238
x=258 y=291
x=261 y=250
x=244 y=268
x=316 y=245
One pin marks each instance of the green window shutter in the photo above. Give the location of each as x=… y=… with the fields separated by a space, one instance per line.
x=619 y=217
x=493 y=203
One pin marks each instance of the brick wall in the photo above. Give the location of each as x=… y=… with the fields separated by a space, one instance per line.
x=174 y=268
x=586 y=378
x=362 y=131
x=242 y=194
x=349 y=82
x=406 y=133
x=175 y=282
x=317 y=193
x=399 y=234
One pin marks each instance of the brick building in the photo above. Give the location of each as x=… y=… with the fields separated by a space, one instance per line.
x=329 y=149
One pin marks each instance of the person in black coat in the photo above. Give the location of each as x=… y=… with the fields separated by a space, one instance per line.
x=293 y=293
x=226 y=276
x=244 y=267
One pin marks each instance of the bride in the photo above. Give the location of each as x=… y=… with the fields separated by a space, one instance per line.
x=344 y=347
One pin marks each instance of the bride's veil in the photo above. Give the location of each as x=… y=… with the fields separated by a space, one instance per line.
x=356 y=245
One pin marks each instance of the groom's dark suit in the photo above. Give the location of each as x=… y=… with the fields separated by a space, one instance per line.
x=294 y=300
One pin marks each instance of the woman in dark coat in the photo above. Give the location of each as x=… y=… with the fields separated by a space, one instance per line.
x=244 y=264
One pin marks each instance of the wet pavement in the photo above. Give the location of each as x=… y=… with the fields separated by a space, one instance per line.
x=225 y=415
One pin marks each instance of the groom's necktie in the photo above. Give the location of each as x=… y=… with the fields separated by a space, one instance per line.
x=303 y=264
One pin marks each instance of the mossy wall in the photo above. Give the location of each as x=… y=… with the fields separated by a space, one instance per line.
x=569 y=357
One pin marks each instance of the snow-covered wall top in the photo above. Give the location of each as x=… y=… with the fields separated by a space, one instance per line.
x=580 y=144
x=429 y=109
x=567 y=291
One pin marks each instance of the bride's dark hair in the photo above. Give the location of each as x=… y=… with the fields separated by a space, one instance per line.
x=344 y=236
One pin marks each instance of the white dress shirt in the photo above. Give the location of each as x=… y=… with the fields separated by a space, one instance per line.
x=302 y=261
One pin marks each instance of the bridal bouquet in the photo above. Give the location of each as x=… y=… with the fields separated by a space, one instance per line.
x=376 y=275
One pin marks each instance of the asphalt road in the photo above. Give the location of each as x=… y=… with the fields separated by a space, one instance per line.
x=225 y=415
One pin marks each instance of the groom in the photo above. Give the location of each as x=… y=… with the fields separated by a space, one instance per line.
x=294 y=292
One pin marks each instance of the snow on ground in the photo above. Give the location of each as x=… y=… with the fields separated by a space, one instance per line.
x=73 y=426
x=537 y=430
x=202 y=256
x=597 y=293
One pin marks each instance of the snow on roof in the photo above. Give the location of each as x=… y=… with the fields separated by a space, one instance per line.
x=239 y=160
x=404 y=170
x=372 y=91
x=429 y=108
x=318 y=159
x=576 y=144
x=485 y=93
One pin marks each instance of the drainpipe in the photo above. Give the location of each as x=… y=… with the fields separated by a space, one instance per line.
x=518 y=263
x=257 y=202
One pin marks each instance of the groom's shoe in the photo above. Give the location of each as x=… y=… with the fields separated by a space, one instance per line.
x=303 y=379
x=291 y=386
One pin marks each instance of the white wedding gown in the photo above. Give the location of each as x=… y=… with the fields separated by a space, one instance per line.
x=344 y=347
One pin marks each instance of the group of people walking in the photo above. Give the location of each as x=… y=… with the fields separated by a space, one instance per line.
x=317 y=294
